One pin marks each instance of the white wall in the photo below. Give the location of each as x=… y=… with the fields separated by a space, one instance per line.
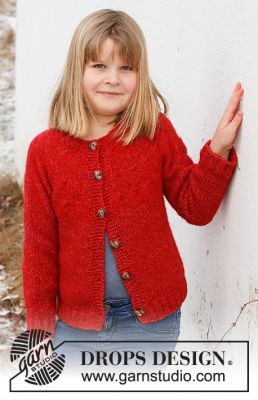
x=198 y=50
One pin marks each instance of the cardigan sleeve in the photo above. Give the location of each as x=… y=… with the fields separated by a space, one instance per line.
x=195 y=191
x=40 y=244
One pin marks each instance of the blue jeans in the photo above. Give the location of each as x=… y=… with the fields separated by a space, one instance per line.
x=121 y=323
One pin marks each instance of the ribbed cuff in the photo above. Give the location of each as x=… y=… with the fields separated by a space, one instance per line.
x=217 y=164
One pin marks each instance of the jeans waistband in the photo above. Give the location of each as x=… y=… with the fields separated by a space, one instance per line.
x=117 y=304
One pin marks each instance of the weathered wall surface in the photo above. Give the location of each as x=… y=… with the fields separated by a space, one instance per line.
x=7 y=90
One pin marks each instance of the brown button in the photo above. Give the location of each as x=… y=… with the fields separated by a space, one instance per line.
x=102 y=213
x=126 y=275
x=114 y=244
x=93 y=145
x=97 y=175
x=139 y=312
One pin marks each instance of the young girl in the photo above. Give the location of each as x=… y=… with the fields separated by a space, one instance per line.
x=99 y=258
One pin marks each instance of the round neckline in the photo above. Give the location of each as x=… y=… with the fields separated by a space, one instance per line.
x=107 y=137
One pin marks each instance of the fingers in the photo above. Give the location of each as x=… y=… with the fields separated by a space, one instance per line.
x=236 y=121
x=236 y=92
x=234 y=101
x=232 y=105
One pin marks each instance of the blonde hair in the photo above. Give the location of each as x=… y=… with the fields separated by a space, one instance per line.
x=69 y=109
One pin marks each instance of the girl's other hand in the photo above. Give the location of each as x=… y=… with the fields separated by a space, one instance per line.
x=225 y=134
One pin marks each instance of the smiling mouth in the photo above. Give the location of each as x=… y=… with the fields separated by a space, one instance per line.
x=110 y=93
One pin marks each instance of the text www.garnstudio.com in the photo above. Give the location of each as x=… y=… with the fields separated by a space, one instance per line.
x=160 y=376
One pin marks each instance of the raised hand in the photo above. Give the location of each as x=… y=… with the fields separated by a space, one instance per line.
x=226 y=131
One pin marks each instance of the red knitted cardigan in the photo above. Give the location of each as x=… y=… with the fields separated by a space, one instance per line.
x=74 y=189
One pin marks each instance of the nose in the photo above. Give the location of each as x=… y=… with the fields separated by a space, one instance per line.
x=112 y=76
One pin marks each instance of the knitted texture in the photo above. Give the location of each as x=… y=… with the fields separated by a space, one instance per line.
x=63 y=246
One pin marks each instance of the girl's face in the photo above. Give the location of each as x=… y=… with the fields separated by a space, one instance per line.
x=105 y=76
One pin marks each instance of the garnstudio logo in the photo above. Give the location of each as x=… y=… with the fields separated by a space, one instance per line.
x=40 y=363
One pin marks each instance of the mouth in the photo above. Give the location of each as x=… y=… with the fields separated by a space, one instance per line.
x=110 y=93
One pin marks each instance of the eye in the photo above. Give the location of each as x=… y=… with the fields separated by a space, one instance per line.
x=126 y=66
x=101 y=65
x=96 y=65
